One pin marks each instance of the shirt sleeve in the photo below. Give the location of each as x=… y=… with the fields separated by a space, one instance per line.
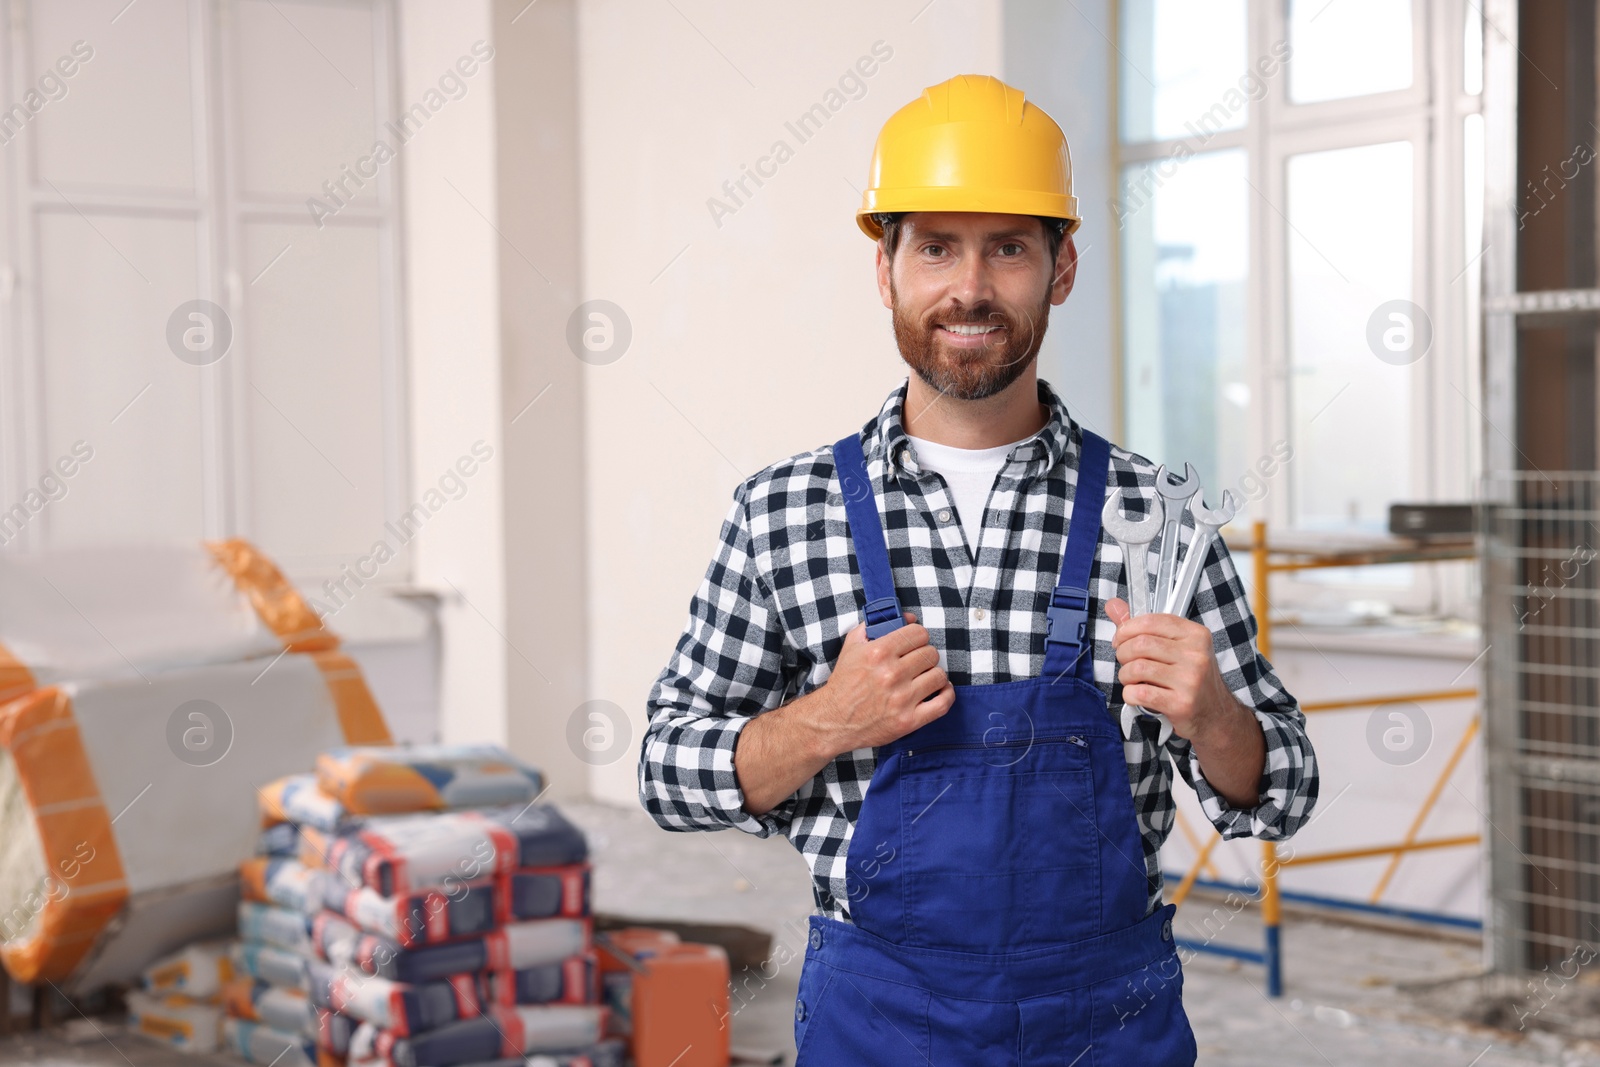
x=1287 y=790
x=730 y=664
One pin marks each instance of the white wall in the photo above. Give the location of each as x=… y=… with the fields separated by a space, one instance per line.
x=541 y=404
x=1060 y=55
x=491 y=195
x=452 y=322
x=752 y=340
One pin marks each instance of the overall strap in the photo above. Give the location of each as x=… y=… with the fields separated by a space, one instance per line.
x=883 y=607
x=1067 y=631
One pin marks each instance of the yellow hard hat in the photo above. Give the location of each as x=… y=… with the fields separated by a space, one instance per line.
x=972 y=143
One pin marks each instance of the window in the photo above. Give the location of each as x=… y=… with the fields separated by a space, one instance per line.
x=1298 y=241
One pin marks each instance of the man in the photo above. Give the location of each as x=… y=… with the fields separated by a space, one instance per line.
x=910 y=654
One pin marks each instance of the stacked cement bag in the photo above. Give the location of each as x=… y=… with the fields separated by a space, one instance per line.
x=431 y=909
x=181 y=999
x=272 y=1017
x=143 y=693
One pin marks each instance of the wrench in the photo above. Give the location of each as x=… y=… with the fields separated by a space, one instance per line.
x=1133 y=536
x=1177 y=493
x=1207 y=524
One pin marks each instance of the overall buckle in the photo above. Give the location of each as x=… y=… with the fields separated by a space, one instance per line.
x=883 y=616
x=1067 y=619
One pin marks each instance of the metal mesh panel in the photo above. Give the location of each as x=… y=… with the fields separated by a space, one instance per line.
x=1542 y=589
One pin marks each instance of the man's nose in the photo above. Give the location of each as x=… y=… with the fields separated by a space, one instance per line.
x=972 y=283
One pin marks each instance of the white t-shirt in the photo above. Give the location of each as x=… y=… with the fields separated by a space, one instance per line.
x=970 y=473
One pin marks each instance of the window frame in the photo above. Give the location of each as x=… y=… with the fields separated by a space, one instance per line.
x=1446 y=395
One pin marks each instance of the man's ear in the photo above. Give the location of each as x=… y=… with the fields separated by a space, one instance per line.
x=883 y=265
x=1066 y=270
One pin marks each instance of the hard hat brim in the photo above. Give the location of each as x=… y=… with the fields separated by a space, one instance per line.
x=946 y=198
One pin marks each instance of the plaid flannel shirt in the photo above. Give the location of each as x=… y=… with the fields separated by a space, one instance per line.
x=770 y=615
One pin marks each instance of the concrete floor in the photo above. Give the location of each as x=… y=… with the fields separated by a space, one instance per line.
x=1341 y=1004
x=104 y=1045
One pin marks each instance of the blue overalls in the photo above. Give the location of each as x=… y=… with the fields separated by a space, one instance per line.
x=995 y=873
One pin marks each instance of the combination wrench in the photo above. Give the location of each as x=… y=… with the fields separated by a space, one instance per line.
x=1173 y=595
x=1177 y=494
x=1133 y=536
x=1208 y=524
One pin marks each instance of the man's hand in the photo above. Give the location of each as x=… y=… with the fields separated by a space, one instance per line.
x=1167 y=664
x=879 y=690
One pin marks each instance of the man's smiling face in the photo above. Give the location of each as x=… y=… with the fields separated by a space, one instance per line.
x=971 y=295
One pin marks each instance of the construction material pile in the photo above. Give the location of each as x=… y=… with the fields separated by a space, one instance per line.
x=181 y=998
x=144 y=693
x=416 y=907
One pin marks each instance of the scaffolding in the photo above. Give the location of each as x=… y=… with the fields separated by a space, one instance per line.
x=1267 y=560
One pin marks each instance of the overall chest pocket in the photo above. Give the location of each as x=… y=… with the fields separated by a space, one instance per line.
x=1001 y=845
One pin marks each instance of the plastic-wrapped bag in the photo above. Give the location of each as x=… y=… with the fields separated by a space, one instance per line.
x=297 y=799
x=502 y=1032
x=516 y=946
x=276 y=1007
x=269 y=963
x=256 y=1043
x=280 y=840
x=334 y=1031
x=412 y=920
x=426 y=778
x=404 y=853
x=545 y=837
x=285 y=928
x=370 y=1047
x=403 y=1008
x=198 y=971
x=416 y=919
x=155 y=608
x=191 y=1025
x=550 y=892
x=282 y=881
x=574 y=980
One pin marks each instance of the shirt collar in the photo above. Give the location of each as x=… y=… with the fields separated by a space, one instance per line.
x=1060 y=437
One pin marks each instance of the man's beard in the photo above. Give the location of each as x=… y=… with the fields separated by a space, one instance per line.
x=972 y=374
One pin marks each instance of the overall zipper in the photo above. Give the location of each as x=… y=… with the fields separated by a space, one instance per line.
x=1073 y=738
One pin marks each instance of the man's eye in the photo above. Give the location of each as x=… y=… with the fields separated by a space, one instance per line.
x=933 y=250
x=1011 y=248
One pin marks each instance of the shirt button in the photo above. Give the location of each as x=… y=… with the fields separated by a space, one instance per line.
x=980 y=614
x=799 y=1011
x=816 y=938
x=1166 y=930
x=944 y=516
